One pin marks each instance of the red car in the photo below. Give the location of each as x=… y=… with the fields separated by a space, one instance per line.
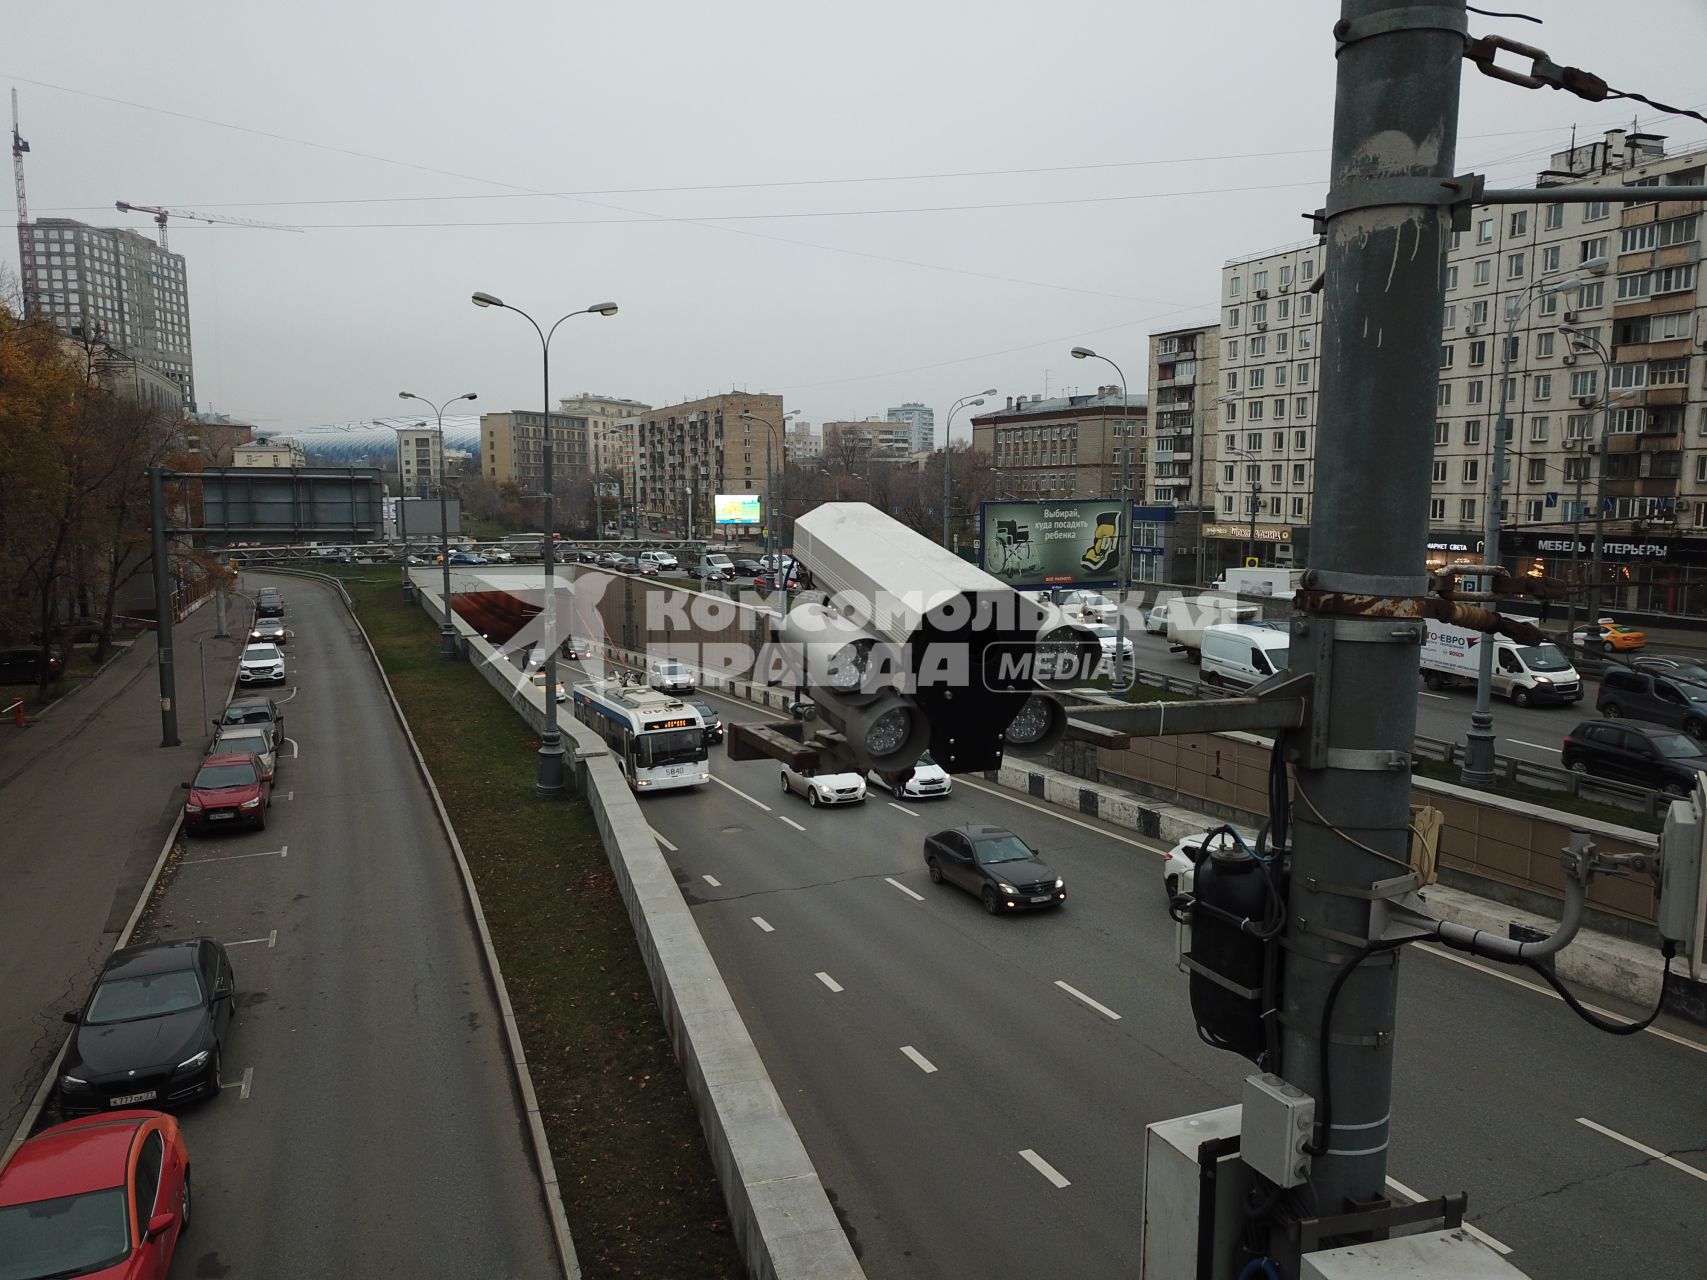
x=230 y=787
x=105 y=1198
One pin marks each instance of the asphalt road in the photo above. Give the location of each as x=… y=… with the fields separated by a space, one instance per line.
x=369 y=1126
x=971 y=1115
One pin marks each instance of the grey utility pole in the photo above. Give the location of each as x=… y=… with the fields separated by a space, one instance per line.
x=1387 y=223
x=1123 y=525
x=447 y=632
x=163 y=608
x=947 y=442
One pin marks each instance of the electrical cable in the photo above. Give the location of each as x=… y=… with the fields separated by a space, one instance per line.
x=1325 y=1109
x=1353 y=840
x=1668 y=950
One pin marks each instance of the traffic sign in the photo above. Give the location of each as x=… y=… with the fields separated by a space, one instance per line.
x=1552 y=499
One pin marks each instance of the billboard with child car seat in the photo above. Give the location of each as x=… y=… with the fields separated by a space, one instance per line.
x=1032 y=545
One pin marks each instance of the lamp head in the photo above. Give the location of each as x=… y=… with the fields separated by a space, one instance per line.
x=468 y=396
x=407 y=395
x=603 y=308
x=988 y=391
x=1595 y=266
x=979 y=400
x=1083 y=353
x=481 y=299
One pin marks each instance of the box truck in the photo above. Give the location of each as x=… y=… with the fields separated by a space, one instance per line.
x=1282 y=584
x=1189 y=615
x=1526 y=674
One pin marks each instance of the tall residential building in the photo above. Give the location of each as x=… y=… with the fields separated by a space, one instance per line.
x=276 y=452
x=1068 y=447
x=802 y=443
x=921 y=419
x=511 y=449
x=612 y=421
x=1184 y=386
x=849 y=444
x=1639 y=326
x=420 y=461
x=120 y=288
x=686 y=454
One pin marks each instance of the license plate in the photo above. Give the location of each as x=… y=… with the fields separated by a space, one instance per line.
x=1043 y=897
x=220 y=817
x=675 y=770
x=125 y=1099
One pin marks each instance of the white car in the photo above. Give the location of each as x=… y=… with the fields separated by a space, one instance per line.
x=1182 y=858
x=659 y=560
x=1156 y=620
x=824 y=788
x=1108 y=637
x=929 y=781
x=1089 y=606
x=537 y=679
x=257 y=738
x=497 y=555
x=261 y=664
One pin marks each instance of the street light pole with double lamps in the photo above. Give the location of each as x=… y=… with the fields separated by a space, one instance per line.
x=447 y=633
x=1590 y=344
x=771 y=539
x=550 y=780
x=947 y=439
x=1478 y=769
x=1121 y=682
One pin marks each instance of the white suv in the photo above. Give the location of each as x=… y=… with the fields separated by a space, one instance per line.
x=261 y=664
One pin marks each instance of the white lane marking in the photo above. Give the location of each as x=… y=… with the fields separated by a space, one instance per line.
x=737 y=790
x=828 y=981
x=1441 y=696
x=1080 y=995
x=1011 y=798
x=901 y=808
x=295 y=751
x=233 y=857
x=242 y=1086
x=916 y=897
x=288 y=696
x=1646 y=1150
x=1483 y=1236
x=1045 y=1168
x=713 y=881
x=289 y=795
x=918 y=1059
x=661 y=840
x=791 y=822
x=272 y=940
x=764 y=924
x=1519 y=742
x=1468 y=963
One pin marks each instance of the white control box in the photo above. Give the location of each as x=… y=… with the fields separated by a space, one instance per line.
x=1279 y=1119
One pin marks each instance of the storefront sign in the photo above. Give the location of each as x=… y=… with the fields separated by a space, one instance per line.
x=1242 y=532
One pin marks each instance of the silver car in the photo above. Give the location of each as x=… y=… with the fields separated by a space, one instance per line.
x=257 y=738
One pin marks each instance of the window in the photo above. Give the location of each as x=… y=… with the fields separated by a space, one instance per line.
x=1472 y=431
x=1306 y=307
x=1554 y=218
x=1280 y=340
x=1595 y=210
x=1485 y=271
x=1298 y=472
x=1442 y=433
x=1279 y=408
x=1283 y=309
x=1518 y=224
x=1259 y=313
x=1479 y=311
x=1636 y=239
x=1679 y=230
x=1585 y=382
x=1576 y=469
x=1233 y=412
x=1579 y=426
x=1232 y=379
x=1449 y=317
x=1232 y=317
x=1668 y=373
x=1446 y=355
x=1537 y=470
x=1300 y=406
x=1516 y=264
x=1257 y=376
x=1277 y=474
x=1253 y=411
x=1277 y=441
x=1286 y=274
x=1301 y=375
x=1701 y=471
x=1229 y=475
x=1259 y=346
x=1595 y=248
x=1625 y=422
x=1550 y=259
x=1472 y=392
x=1297 y=508
x=1280 y=375
x=1543 y=345
x=1628 y=376
x=1452 y=277
x=1532 y=511
x=1485 y=231
x=1443 y=395
x=1478 y=352
x=1511 y=349
x=1439 y=476
x=1300 y=440
x=1234 y=286
x=1472 y=470
x=1259 y=280
x=1232 y=348
x=1538 y=430
x=1674 y=279
x=148 y=1162
x=1304 y=337
x=1592 y=295
x=1227 y=504
x=1437 y=508
x=1307 y=269
x=1467 y=510
x=1543 y=386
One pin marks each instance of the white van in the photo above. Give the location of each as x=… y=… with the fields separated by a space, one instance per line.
x=1243 y=654
x=659 y=560
x=1526 y=674
x=718 y=561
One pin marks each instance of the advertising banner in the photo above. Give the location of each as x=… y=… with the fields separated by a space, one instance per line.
x=738 y=508
x=1032 y=545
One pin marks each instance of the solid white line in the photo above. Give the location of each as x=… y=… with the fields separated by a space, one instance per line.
x=1468 y=963
x=1045 y=1168
x=1441 y=696
x=661 y=840
x=916 y=897
x=1519 y=742
x=1483 y=1236
x=1646 y=1150
x=1002 y=794
x=1080 y=995
x=290 y=795
x=901 y=808
x=828 y=981
x=737 y=790
x=288 y=696
x=763 y=924
x=232 y=857
x=791 y=822
x=918 y=1059
x=272 y=940
x=713 y=881
x=295 y=751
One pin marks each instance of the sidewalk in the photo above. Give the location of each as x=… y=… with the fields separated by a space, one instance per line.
x=87 y=795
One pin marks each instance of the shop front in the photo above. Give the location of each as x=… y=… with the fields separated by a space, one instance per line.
x=1640 y=573
x=1233 y=545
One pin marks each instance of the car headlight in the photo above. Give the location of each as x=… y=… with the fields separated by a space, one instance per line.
x=250 y=804
x=192 y=808
x=1006 y=888
x=194 y=1060
x=1060 y=883
x=73 y=1082
x=1543 y=680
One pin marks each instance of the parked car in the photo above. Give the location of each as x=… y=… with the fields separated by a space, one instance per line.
x=748 y=568
x=1609 y=636
x=254 y=708
x=230 y=787
x=467 y=557
x=614 y=560
x=104 y=1198
x=1243 y=653
x=261 y=664
x=824 y=788
x=712 y=721
x=659 y=560
x=1644 y=695
x=269 y=603
x=27 y=663
x=537 y=679
x=1690 y=669
x=995 y=866
x=268 y=631
x=776 y=562
x=669 y=676
x=929 y=781
x=1636 y=753
x=497 y=555
x=1156 y=620
x=151 y=1030
x=643 y=568
x=256 y=739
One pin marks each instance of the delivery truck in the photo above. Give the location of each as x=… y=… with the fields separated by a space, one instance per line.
x=1536 y=674
x=1189 y=615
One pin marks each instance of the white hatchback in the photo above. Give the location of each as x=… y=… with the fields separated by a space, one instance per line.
x=824 y=788
x=929 y=781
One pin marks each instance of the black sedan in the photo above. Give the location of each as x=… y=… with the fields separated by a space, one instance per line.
x=749 y=569
x=713 y=724
x=995 y=866
x=151 y=1032
x=268 y=631
x=1640 y=754
x=269 y=604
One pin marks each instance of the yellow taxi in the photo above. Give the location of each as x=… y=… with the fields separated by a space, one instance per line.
x=1610 y=636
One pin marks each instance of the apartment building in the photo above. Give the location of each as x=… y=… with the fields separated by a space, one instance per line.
x=1066 y=447
x=1184 y=388
x=512 y=449
x=686 y=454
x=276 y=452
x=420 y=461
x=920 y=420
x=851 y=444
x=612 y=422
x=802 y=444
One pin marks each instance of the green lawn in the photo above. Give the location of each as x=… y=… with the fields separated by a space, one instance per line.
x=638 y=1184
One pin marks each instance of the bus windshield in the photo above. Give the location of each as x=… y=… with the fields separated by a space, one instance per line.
x=669 y=746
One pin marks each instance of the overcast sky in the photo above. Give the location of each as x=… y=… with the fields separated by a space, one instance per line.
x=408 y=141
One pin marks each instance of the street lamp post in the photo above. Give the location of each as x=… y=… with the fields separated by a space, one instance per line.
x=447 y=633
x=947 y=440
x=772 y=549
x=550 y=780
x=1478 y=769
x=1123 y=525
x=1588 y=343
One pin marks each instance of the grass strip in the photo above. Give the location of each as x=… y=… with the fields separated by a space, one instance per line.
x=638 y=1184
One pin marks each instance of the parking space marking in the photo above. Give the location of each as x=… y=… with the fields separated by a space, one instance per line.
x=764 y=924
x=1441 y=696
x=828 y=981
x=1646 y=1150
x=1103 y=1009
x=901 y=808
x=1045 y=1168
x=288 y=697
x=242 y=1086
x=661 y=840
x=1481 y=1235
x=272 y=940
x=295 y=751
x=918 y=1059
x=289 y=795
x=713 y=881
x=1519 y=742
x=737 y=790
x=233 y=857
x=916 y=897
x=791 y=822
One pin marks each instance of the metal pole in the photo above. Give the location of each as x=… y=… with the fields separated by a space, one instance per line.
x=163 y=608
x=201 y=657
x=1597 y=569
x=1395 y=112
x=1256 y=497
x=1200 y=443
x=219 y=627
x=1576 y=541
x=550 y=780
x=447 y=633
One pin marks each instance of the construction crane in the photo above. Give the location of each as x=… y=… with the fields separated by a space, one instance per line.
x=26 y=245
x=160 y=216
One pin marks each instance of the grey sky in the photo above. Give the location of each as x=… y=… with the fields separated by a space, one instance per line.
x=515 y=95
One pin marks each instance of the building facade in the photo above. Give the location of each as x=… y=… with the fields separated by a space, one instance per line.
x=1184 y=389
x=512 y=449
x=1067 y=447
x=920 y=420
x=612 y=421
x=420 y=461
x=269 y=454
x=120 y=288
x=686 y=454
x=802 y=444
x=851 y=444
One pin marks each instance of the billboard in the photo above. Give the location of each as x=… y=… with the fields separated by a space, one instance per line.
x=1051 y=544
x=738 y=508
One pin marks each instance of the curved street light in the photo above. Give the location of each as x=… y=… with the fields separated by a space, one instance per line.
x=447 y=633
x=1121 y=682
x=947 y=453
